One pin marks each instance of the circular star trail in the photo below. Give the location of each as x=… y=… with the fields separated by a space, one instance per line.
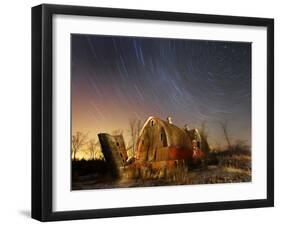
x=115 y=79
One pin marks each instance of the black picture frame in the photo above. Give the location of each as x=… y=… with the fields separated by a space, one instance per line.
x=42 y=111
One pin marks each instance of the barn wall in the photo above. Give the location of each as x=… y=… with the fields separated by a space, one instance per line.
x=158 y=134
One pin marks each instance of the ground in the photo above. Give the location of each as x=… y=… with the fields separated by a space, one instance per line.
x=228 y=166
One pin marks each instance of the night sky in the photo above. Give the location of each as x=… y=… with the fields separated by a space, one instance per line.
x=115 y=79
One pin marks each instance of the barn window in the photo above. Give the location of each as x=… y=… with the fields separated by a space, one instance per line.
x=152 y=123
x=163 y=138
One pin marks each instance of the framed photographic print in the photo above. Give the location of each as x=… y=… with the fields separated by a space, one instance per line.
x=146 y=112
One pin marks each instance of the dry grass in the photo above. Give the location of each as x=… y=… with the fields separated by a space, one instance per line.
x=227 y=166
x=235 y=170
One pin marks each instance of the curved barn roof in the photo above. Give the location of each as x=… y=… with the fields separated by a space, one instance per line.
x=175 y=135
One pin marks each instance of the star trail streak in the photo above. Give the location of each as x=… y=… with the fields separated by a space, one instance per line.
x=115 y=79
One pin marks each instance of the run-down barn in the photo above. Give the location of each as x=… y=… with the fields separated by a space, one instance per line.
x=159 y=140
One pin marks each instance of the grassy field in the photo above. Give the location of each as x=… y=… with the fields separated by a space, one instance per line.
x=225 y=166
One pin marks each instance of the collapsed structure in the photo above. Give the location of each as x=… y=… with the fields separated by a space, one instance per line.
x=160 y=143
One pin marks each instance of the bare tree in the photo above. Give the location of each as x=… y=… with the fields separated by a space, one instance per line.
x=134 y=130
x=79 y=139
x=92 y=147
x=139 y=126
x=224 y=126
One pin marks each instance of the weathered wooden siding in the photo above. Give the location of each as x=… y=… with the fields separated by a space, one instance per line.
x=113 y=149
x=160 y=140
